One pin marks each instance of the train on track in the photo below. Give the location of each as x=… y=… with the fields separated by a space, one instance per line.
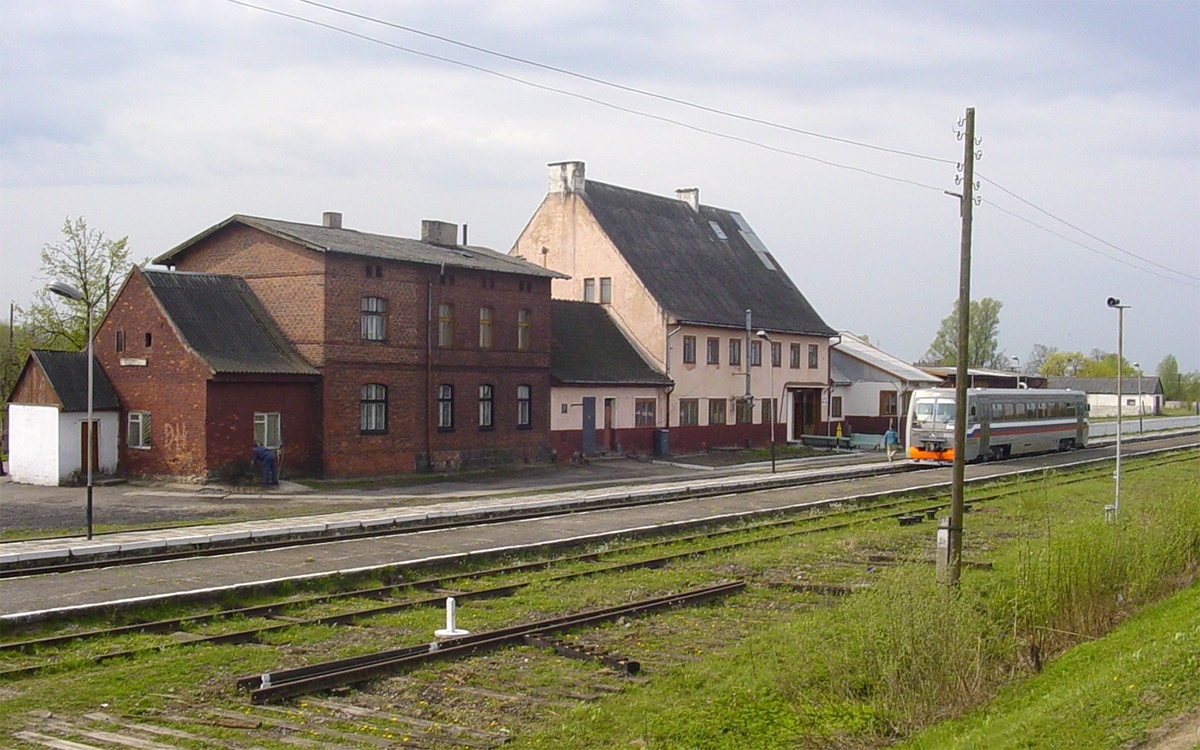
x=1001 y=422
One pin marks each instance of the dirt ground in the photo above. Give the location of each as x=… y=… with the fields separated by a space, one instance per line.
x=1181 y=733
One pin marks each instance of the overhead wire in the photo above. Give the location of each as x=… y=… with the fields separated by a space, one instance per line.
x=697 y=128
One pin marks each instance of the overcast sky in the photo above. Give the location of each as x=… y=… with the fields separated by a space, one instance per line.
x=159 y=119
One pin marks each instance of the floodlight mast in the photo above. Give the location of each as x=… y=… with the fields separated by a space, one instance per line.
x=1113 y=302
x=66 y=290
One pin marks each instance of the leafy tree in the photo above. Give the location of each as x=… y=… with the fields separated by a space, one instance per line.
x=983 y=334
x=1037 y=357
x=14 y=346
x=1168 y=373
x=88 y=261
x=1062 y=364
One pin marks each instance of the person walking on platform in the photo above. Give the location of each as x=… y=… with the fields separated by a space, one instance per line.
x=891 y=441
x=266 y=457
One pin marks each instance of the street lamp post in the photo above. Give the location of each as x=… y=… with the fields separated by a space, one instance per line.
x=771 y=399
x=1115 y=303
x=1017 y=361
x=1138 y=367
x=70 y=292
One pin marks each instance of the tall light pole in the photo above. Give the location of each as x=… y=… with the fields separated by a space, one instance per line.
x=1138 y=367
x=771 y=400
x=1115 y=303
x=1017 y=362
x=70 y=292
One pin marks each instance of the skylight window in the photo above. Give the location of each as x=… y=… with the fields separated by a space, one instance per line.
x=717 y=229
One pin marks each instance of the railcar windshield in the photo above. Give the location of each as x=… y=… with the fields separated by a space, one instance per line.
x=934 y=410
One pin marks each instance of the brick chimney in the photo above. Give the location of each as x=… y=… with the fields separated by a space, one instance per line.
x=439 y=232
x=690 y=196
x=566 y=177
x=332 y=219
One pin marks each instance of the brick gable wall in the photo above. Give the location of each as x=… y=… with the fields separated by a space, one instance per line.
x=170 y=385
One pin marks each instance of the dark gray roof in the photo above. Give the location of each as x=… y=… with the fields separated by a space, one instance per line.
x=589 y=348
x=700 y=275
x=338 y=240
x=1129 y=386
x=67 y=373
x=222 y=321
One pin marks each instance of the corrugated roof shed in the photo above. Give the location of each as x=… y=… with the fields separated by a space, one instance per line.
x=1129 y=386
x=704 y=266
x=221 y=320
x=67 y=373
x=339 y=240
x=588 y=348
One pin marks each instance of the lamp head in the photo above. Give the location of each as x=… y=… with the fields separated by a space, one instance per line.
x=66 y=290
x=1114 y=302
x=763 y=335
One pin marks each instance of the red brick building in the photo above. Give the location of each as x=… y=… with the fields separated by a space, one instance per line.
x=430 y=354
x=202 y=373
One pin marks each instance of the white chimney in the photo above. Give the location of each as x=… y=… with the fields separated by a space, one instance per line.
x=439 y=232
x=690 y=196
x=332 y=219
x=566 y=177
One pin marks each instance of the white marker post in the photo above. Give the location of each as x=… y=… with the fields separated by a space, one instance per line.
x=451 y=630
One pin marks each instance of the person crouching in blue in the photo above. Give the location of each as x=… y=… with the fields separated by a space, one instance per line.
x=266 y=457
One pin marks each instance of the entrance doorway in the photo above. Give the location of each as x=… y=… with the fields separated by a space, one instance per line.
x=806 y=411
x=83 y=447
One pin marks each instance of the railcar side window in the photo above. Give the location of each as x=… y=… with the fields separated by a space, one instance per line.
x=997 y=411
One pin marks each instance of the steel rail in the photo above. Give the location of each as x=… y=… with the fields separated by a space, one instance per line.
x=290 y=682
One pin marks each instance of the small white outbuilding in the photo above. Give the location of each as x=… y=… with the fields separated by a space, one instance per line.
x=47 y=418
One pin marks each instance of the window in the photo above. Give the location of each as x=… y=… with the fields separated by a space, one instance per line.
x=487 y=407
x=768 y=410
x=446 y=279
x=445 y=407
x=267 y=430
x=744 y=411
x=120 y=341
x=735 y=352
x=644 y=412
x=1130 y=402
x=776 y=354
x=714 y=350
x=445 y=325
x=139 y=429
x=372 y=409
x=756 y=354
x=149 y=340
x=524 y=407
x=887 y=403
x=795 y=357
x=814 y=354
x=835 y=407
x=589 y=290
x=716 y=411
x=605 y=291
x=689 y=350
x=485 y=328
x=373 y=316
x=374 y=271
x=689 y=412
x=523 y=330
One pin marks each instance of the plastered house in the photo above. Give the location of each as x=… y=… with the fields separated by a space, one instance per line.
x=691 y=286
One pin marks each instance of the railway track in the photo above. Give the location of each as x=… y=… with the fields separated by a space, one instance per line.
x=704 y=542
x=672 y=492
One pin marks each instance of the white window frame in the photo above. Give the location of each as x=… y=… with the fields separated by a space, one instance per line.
x=138 y=430
x=268 y=429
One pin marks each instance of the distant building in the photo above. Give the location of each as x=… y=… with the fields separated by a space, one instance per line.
x=870 y=388
x=1142 y=395
x=984 y=377
x=689 y=285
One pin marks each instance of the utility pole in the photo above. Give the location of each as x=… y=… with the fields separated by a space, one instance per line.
x=967 y=204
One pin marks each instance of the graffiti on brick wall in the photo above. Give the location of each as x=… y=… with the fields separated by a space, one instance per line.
x=175 y=436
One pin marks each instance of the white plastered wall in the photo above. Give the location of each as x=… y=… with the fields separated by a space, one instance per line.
x=33 y=440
